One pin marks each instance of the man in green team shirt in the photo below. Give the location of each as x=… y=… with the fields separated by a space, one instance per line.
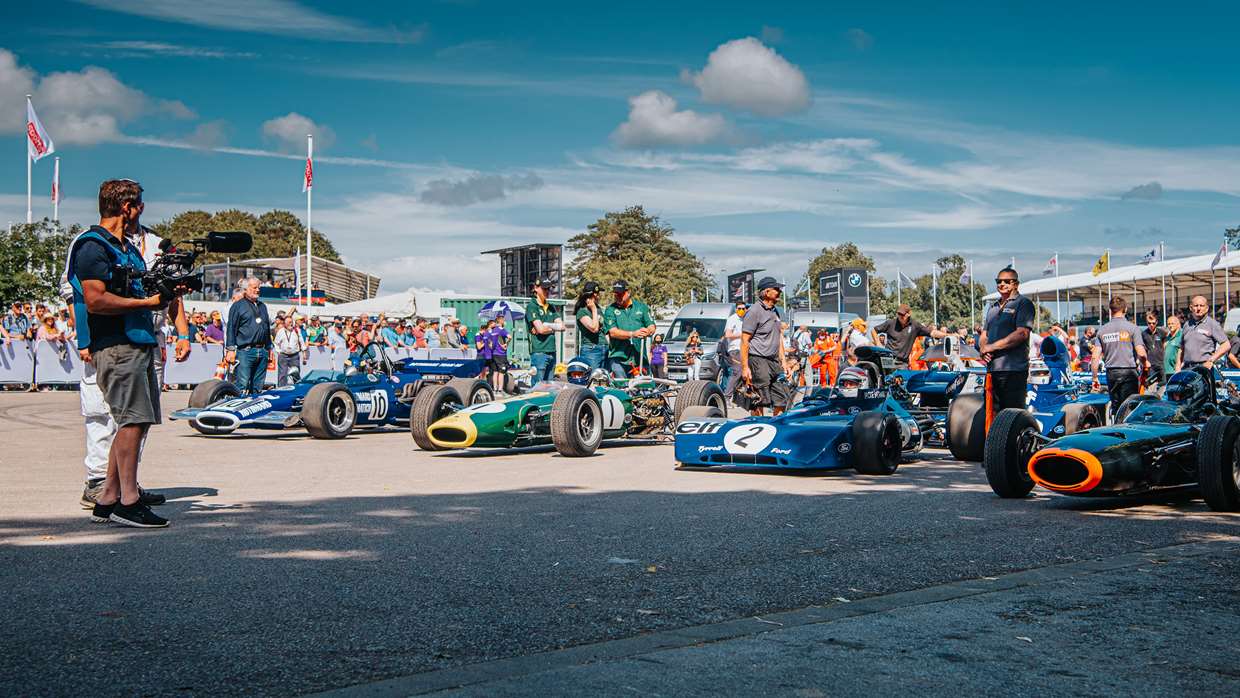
x=627 y=323
x=543 y=321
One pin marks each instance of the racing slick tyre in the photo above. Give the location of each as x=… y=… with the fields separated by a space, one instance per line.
x=699 y=394
x=576 y=423
x=1128 y=405
x=1218 y=462
x=1078 y=417
x=701 y=412
x=433 y=403
x=473 y=391
x=966 y=427
x=329 y=411
x=1009 y=446
x=876 y=443
x=212 y=391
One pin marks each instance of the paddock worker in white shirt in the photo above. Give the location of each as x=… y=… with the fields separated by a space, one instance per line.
x=291 y=353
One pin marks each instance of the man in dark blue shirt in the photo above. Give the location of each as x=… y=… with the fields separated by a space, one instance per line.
x=248 y=339
x=1004 y=343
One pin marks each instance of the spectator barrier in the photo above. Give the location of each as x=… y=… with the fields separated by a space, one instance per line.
x=22 y=363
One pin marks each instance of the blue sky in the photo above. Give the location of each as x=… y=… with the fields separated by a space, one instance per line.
x=761 y=132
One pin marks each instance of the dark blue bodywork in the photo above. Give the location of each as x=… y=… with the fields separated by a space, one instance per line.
x=382 y=397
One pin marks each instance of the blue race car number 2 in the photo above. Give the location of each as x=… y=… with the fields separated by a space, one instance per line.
x=748 y=438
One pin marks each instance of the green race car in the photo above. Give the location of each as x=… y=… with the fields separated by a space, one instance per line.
x=575 y=416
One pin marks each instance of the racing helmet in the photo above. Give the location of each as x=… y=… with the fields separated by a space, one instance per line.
x=578 y=372
x=852 y=381
x=1188 y=388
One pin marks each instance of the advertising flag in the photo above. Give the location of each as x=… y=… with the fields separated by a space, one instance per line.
x=38 y=143
x=903 y=281
x=56 y=183
x=1218 y=257
x=1103 y=265
x=307 y=182
x=1052 y=267
x=1151 y=256
x=966 y=276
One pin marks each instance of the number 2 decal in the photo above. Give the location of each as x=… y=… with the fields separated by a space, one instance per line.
x=748 y=438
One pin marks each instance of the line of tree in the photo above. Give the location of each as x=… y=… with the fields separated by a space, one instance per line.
x=32 y=258
x=276 y=233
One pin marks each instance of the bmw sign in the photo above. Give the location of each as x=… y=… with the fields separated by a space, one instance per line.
x=854 y=280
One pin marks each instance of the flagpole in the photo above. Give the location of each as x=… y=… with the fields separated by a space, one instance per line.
x=56 y=191
x=1058 y=308
x=934 y=292
x=1162 y=256
x=29 y=164
x=899 y=283
x=309 y=223
x=972 y=319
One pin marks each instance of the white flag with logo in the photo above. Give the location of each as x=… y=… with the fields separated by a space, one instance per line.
x=1222 y=251
x=966 y=277
x=56 y=183
x=307 y=182
x=38 y=143
x=1052 y=267
x=1151 y=256
x=902 y=280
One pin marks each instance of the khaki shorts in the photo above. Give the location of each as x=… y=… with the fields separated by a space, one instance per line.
x=126 y=375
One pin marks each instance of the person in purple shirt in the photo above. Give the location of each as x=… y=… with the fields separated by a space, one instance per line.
x=498 y=337
x=214 y=332
x=658 y=358
x=482 y=342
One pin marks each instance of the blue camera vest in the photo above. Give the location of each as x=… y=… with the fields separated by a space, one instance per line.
x=139 y=327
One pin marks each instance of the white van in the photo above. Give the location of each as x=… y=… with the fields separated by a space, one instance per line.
x=709 y=320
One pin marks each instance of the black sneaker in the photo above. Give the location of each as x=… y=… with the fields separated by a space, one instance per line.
x=137 y=515
x=102 y=513
x=151 y=499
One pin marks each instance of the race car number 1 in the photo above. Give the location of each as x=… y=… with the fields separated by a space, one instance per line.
x=748 y=438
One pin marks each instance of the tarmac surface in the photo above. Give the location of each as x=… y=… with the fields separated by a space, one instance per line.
x=295 y=566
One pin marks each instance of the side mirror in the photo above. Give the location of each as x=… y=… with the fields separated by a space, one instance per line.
x=229 y=243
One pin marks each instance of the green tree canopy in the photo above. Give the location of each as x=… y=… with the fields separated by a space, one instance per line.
x=32 y=258
x=847 y=254
x=276 y=233
x=637 y=247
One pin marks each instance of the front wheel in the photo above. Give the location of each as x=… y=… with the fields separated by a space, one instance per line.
x=1218 y=462
x=473 y=391
x=576 y=423
x=433 y=403
x=212 y=391
x=698 y=393
x=1010 y=444
x=877 y=443
x=329 y=411
x=966 y=427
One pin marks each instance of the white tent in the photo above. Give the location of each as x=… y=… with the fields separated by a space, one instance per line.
x=1144 y=285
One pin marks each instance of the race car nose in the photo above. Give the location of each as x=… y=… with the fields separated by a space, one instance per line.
x=457 y=431
x=1065 y=470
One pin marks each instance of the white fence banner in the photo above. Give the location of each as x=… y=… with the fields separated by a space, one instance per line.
x=197 y=367
x=322 y=359
x=16 y=362
x=51 y=368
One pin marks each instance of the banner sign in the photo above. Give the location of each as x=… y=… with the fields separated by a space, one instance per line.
x=16 y=362
x=51 y=368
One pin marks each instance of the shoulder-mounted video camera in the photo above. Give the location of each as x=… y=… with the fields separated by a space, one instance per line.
x=173 y=275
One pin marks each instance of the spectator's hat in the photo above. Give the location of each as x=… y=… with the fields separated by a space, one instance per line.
x=768 y=282
x=904 y=309
x=620 y=286
x=858 y=323
x=590 y=287
x=544 y=283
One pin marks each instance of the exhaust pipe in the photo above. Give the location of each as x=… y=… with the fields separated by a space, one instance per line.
x=1066 y=470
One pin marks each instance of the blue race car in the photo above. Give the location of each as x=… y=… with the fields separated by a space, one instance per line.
x=1060 y=403
x=329 y=404
x=860 y=423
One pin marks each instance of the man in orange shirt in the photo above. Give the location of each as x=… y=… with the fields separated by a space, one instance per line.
x=826 y=357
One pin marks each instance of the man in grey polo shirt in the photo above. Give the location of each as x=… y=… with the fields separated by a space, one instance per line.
x=1204 y=341
x=1004 y=343
x=1121 y=349
x=762 y=351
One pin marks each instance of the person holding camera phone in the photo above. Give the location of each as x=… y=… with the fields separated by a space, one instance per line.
x=105 y=272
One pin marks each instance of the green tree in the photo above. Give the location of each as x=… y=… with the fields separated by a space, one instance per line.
x=637 y=247
x=276 y=233
x=847 y=254
x=32 y=258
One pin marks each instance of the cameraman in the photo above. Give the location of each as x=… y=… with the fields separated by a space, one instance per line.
x=105 y=271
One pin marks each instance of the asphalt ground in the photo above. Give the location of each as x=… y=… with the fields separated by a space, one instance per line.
x=294 y=566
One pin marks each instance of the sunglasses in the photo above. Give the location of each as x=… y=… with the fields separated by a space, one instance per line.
x=1000 y=282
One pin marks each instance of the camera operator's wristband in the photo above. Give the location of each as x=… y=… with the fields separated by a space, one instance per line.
x=183 y=336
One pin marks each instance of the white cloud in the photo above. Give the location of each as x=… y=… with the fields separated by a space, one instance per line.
x=654 y=121
x=145 y=49
x=477 y=188
x=746 y=74
x=282 y=17
x=78 y=107
x=289 y=132
x=963 y=217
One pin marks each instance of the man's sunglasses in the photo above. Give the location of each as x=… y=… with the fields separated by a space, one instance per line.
x=1000 y=282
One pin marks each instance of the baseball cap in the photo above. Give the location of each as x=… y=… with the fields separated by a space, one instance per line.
x=768 y=282
x=590 y=287
x=620 y=286
x=545 y=283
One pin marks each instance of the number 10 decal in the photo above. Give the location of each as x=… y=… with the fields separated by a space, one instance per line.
x=748 y=438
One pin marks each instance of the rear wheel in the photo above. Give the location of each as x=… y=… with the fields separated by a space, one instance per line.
x=212 y=391
x=1218 y=462
x=966 y=427
x=576 y=423
x=329 y=411
x=433 y=403
x=1078 y=417
x=699 y=394
x=876 y=443
x=1010 y=444
x=473 y=391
